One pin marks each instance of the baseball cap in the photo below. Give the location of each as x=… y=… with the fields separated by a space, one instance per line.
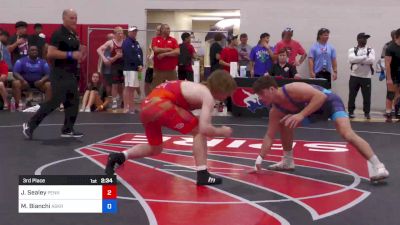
x=288 y=29
x=21 y=24
x=363 y=35
x=132 y=28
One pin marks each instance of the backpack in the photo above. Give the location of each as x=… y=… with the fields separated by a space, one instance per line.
x=368 y=51
x=184 y=58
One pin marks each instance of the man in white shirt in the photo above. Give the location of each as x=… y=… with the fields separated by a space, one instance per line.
x=361 y=59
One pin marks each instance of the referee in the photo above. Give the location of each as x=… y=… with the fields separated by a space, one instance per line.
x=66 y=52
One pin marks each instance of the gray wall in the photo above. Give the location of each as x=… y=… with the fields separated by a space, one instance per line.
x=344 y=18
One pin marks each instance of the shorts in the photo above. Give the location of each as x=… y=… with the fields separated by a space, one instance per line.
x=149 y=76
x=396 y=77
x=131 y=79
x=157 y=113
x=108 y=78
x=160 y=76
x=117 y=74
x=185 y=75
x=333 y=108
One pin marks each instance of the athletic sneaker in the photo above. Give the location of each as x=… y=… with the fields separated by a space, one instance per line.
x=388 y=117
x=26 y=130
x=377 y=173
x=284 y=165
x=205 y=178
x=114 y=104
x=113 y=160
x=71 y=134
x=351 y=116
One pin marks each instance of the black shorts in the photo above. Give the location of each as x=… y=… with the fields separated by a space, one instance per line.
x=108 y=78
x=117 y=74
x=149 y=75
x=396 y=77
x=185 y=75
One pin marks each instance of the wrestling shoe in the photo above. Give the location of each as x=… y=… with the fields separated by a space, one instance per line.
x=377 y=173
x=284 y=165
x=113 y=160
x=205 y=178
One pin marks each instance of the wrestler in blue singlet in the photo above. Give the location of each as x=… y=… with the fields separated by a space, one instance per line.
x=332 y=108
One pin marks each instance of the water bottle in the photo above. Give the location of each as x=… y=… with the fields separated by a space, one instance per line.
x=12 y=105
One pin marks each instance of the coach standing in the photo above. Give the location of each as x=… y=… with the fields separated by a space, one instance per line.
x=66 y=52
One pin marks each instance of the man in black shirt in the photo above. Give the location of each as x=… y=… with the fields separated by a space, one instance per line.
x=18 y=43
x=392 y=66
x=38 y=39
x=66 y=52
x=215 y=51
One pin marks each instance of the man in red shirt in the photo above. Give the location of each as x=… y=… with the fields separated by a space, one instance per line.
x=186 y=56
x=293 y=47
x=230 y=53
x=166 y=51
x=3 y=80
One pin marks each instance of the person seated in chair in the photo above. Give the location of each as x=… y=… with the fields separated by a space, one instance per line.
x=283 y=69
x=31 y=72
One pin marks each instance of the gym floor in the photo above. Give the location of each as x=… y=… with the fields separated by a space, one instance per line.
x=328 y=187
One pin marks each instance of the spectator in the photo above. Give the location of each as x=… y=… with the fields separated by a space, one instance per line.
x=31 y=72
x=283 y=69
x=382 y=67
x=361 y=59
x=229 y=53
x=150 y=65
x=261 y=57
x=18 y=43
x=95 y=97
x=322 y=58
x=3 y=80
x=4 y=35
x=38 y=39
x=166 y=51
x=388 y=43
x=133 y=65
x=244 y=53
x=293 y=47
x=104 y=69
x=185 y=60
x=392 y=66
x=115 y=62
x=215 y=50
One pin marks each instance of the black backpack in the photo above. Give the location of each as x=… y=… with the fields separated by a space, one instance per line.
x=368 y=51
x=184 y=58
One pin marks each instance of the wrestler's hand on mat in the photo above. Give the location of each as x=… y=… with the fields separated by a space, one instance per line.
x=292 y=120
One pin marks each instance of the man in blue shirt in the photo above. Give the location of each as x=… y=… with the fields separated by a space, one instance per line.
x=322 y=58
x=261 y=57
x=31 y=72
x=133 y=65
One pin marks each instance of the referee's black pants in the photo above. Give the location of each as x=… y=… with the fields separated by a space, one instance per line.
x=355 y=84
x=64 y=88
